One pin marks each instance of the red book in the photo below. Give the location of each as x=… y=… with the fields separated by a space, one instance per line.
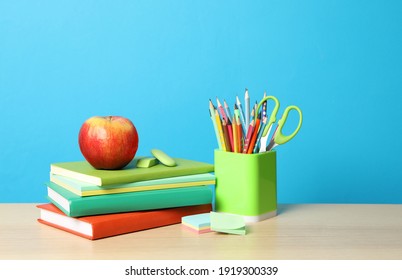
x=101 y=226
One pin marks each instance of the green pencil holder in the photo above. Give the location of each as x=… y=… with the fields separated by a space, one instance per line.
x=246 y=184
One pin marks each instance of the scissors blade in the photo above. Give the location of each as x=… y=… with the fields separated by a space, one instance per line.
x=271 y=145
x=263 y=144
x=264 y=139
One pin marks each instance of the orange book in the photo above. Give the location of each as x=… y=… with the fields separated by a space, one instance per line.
x=101 y=226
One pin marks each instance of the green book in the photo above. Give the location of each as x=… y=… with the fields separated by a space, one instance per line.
x=83 y=171
x=87 y=189
x=75 y=206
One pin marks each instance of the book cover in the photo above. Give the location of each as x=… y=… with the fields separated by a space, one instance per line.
x=75 y=206
x=101 y=226
x=87 y=189
x=83 y=171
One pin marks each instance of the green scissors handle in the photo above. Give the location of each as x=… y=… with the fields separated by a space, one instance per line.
x=279 y=138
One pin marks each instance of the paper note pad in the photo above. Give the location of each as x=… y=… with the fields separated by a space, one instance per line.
x=199 y=223
x=227 y=223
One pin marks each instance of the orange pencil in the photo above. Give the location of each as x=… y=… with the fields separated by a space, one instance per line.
x=254 y=138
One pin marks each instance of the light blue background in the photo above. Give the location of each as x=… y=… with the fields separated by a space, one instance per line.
x=159 y=62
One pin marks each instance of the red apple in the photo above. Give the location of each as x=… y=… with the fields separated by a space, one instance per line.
x=108 y=142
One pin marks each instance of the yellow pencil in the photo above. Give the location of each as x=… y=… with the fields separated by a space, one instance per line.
x=239 y=135
x=235 y=136
x=220 y=130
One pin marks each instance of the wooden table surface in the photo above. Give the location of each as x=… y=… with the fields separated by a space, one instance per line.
x=300 y=231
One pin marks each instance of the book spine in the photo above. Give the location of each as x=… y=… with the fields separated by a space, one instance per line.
x=147 y=220
x=146 y=200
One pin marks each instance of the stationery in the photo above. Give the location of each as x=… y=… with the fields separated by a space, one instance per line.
x=257 y=141
x=76 y=206
x=83 y=171
x=87 y=189
x=199 y=223
x=247 y=105
x=241 y=114
x=107 y=225
x=227 y=223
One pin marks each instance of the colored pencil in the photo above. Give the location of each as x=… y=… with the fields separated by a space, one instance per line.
x=220 y=130
x=239 y=135
x=221 y=110
x=226 y=135
x=254 y=138
x=235 y=139
x=247 y=140
x=241 y=114
x=227 y=110
x=247 y=106
x=230 y=132
x=212 y=115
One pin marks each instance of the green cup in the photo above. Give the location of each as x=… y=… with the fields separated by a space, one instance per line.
x=246 y=184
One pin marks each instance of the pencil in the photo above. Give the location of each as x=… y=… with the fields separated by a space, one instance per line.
x=227 y=110
x=241 y=114
x=247 y=105
x=235 y=139
x=212 y=115
x=230 y=132
x=221 y=110
x=248 y=137
x=239 y=135
x=253 y=139
x=226 y=135
x=220 y=130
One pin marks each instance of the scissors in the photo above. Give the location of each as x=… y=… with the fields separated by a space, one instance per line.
x=278 y=138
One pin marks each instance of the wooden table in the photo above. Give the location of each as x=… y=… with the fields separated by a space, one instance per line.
x=302 y=231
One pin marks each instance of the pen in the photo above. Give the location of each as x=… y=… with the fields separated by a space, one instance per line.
x=263 y=123
x=264 y=106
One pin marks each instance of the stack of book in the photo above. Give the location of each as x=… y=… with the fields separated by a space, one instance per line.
x=100 y=203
